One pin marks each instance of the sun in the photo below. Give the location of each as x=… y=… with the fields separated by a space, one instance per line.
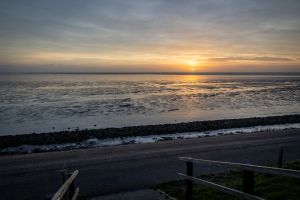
x=192 y=63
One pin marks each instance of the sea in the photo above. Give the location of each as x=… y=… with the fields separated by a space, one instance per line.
x=37 y=103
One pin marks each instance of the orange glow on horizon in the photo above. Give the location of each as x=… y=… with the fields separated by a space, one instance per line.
x=183 y=61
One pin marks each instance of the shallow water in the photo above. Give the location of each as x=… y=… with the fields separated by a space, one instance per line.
x=45 y=103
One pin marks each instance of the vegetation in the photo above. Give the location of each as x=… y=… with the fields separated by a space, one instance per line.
x=266 y=186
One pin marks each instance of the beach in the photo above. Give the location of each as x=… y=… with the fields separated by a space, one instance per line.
x=78 y=139
x=57 y=112
x=42 y=103
x=106 y=170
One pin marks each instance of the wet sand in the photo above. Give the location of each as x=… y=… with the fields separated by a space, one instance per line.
x=107 y=170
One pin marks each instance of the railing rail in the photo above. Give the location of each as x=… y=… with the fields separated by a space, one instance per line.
x=248 y=176
x=67 y=189
x=222 y=188
x=256 y=168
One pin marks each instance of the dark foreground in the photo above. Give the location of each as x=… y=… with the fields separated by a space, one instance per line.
x=266 y=186
x=132 y=167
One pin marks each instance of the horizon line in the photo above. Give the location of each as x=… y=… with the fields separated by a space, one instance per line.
x=158 y=73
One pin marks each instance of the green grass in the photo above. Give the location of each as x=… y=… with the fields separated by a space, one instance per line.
x=267 y=186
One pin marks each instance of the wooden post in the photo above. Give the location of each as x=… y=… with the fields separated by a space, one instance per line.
x=64 y=174
x=248 y=182
x=189 y=183
x=280 y=156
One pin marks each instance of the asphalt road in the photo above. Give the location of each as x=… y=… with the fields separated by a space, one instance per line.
x=132 y=167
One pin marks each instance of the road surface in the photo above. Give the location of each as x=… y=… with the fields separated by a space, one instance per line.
x=108 y=170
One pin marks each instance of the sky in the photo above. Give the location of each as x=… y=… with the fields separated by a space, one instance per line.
x=150 y=36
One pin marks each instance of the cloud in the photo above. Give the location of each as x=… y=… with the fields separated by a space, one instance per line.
x=264 y=58
x=138 y=28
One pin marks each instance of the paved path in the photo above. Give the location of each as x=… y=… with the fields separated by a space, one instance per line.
x=133 y=167
x=145 y=194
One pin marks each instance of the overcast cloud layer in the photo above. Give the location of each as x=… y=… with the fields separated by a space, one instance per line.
x=143 y=35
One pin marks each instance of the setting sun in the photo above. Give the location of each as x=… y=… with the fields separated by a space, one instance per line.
x=195 y=64
x=192 y=63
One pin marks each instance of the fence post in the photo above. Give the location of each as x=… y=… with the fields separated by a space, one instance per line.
x=64 y=174
x=280 y=156
x=189 y=183
x=248 y=182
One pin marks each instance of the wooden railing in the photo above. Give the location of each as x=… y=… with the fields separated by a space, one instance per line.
x=68 y=191
x=248 y=177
